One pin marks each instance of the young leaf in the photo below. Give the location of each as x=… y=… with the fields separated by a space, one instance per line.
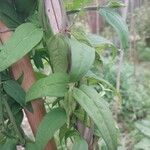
x=82 y=58
x=80 y=144
x=91 y=75
x=58 y=48
x=98 y=110
x=22 y=41
x=52 y=121
x=115 y=20
x=55 y=85
x=14 y=90
x=69 y=105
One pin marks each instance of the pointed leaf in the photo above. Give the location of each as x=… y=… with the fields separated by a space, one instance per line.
x=58 y=48
x=93 y=40
x=22 y=41
x=80 y=35
x=49 y=125
x=51 y=122
x=14 y=90
x=55 y=85
x=80 y=144
x=101 y=43
x=115 y=20
x=91 y=75
x=82 y=58
x=99 y=111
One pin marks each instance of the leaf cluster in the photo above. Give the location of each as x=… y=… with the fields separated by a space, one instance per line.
x=74 y=58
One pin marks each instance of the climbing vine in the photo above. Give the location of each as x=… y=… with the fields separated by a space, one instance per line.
x=74 y=85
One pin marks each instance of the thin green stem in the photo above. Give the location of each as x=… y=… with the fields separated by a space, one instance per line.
x=93 y=8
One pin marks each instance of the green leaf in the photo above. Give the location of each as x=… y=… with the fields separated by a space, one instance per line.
x=10 y=144
x=40 y=75
x=80 y=35
x=8 y=14
x=25 y=7
x=71 y=133
x=103 y=145
x=22 y=41
x=92 y=40
x=82 y=58
x=75 y=4
x=83 y=117
x=62 y=132
x=115 y=20
x=58 y=48
x=38 y=61
x=101 y=43
x=144 y=127
x=55 y=85
x=40 y=56
x=115 y=4
x=144 y=144
x=91 y=75
x=95 y=41
x=69 y=105
x=99 y=111
x=80 y=144
x=14 y=90
x=51 y=122
x=19 y=118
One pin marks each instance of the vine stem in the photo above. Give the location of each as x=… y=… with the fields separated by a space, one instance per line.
x=12 y=119
x=93 y=8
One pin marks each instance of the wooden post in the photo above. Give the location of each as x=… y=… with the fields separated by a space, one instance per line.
x=56 y=15
x=24 y=66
